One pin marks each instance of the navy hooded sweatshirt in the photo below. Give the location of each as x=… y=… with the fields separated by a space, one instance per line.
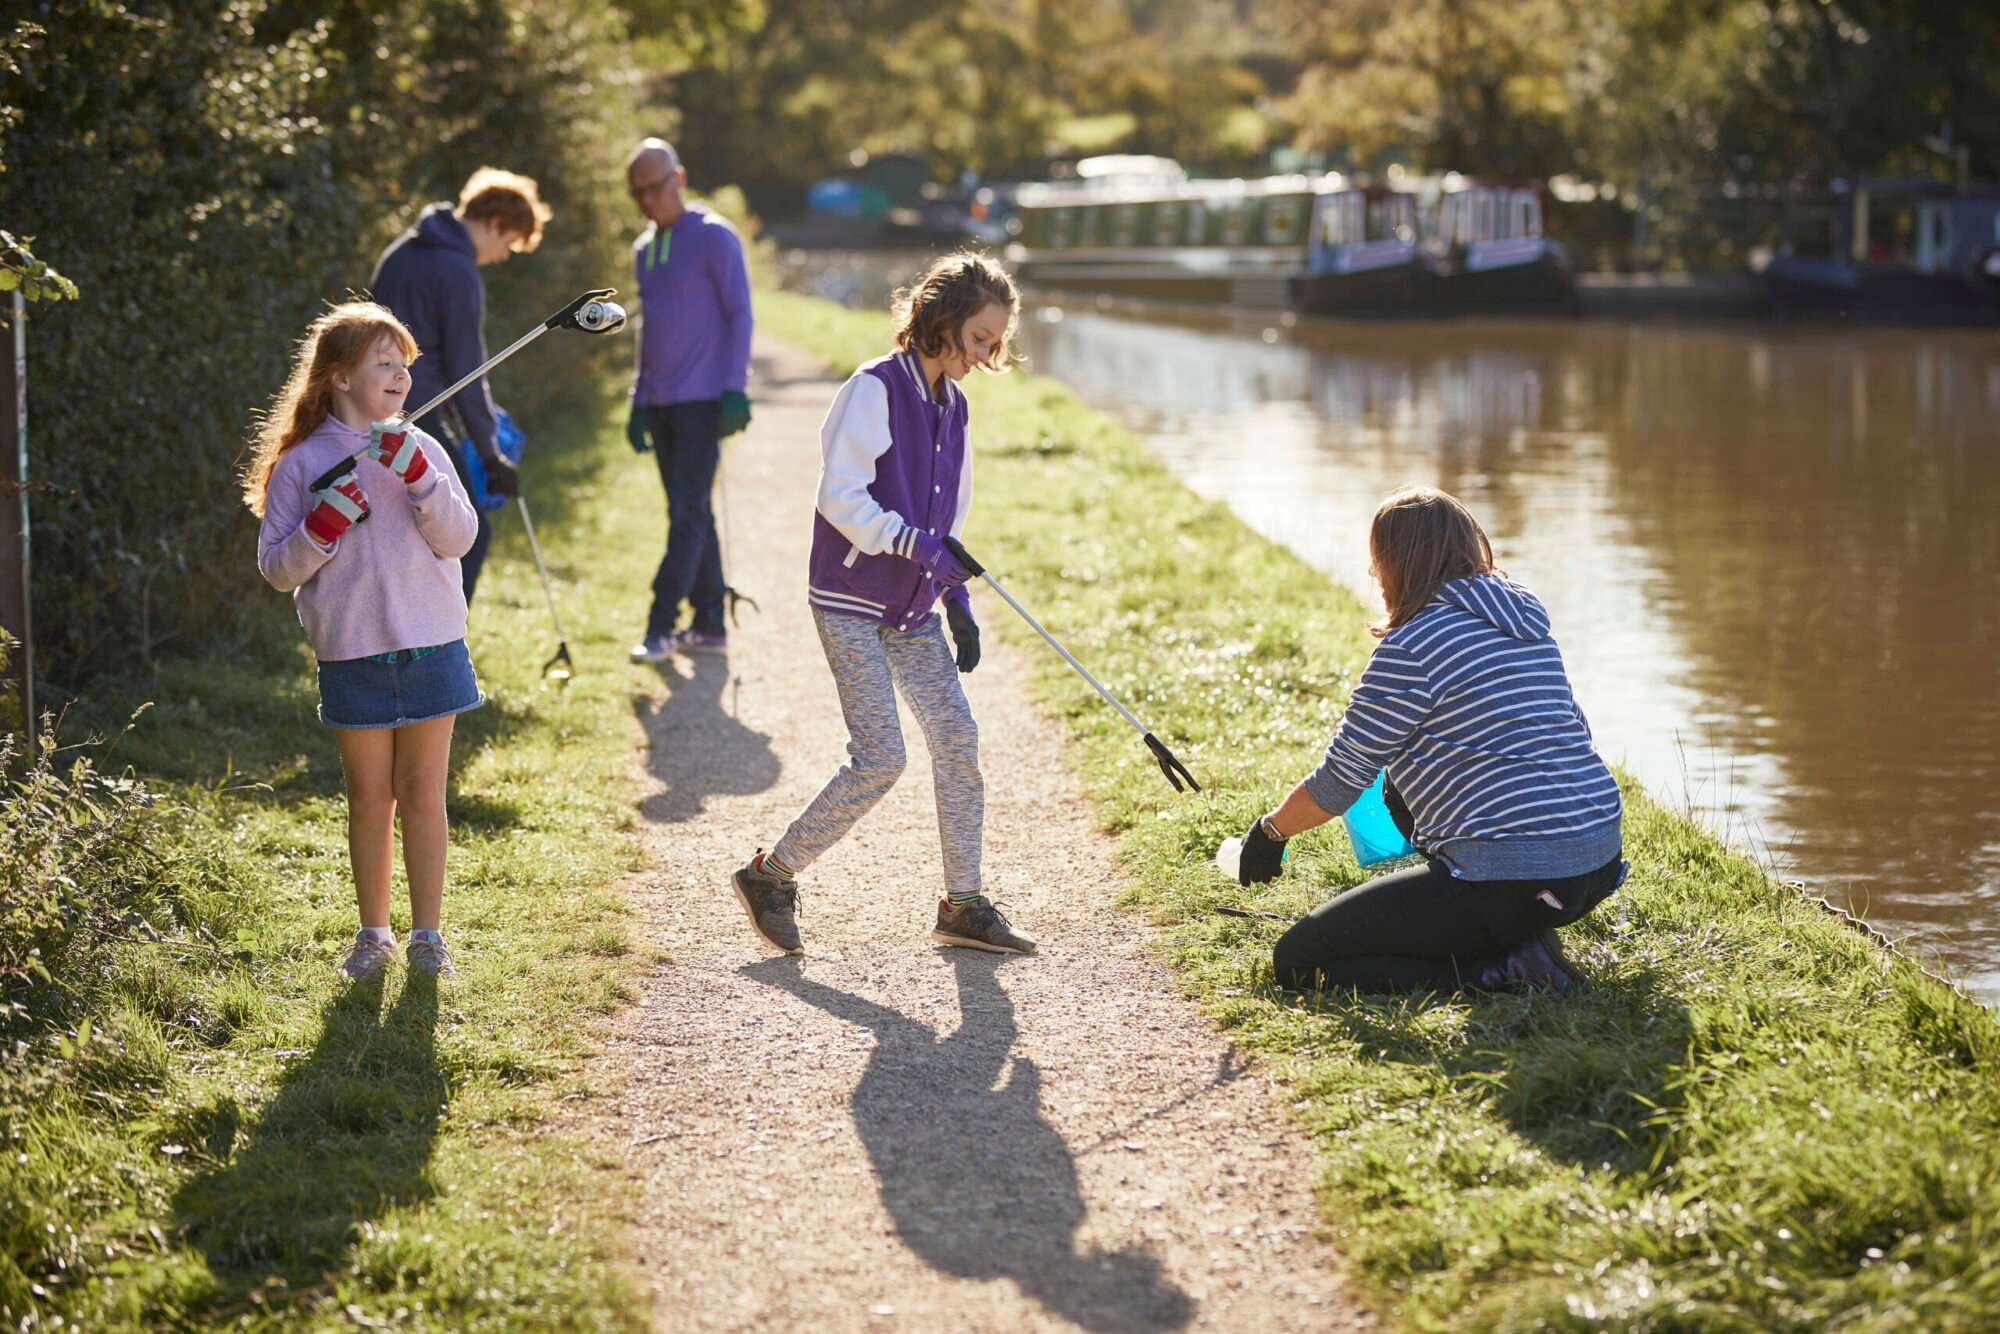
x=429 y=279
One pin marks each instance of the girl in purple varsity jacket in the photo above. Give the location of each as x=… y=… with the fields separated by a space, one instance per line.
x=895 y=483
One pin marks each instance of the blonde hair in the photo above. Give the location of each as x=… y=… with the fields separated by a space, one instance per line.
x=1421 y=540
x=337 y=341
x=930 y=312
x=512 y=202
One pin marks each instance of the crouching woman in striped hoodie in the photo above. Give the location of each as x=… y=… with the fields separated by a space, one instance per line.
x=1490 y=773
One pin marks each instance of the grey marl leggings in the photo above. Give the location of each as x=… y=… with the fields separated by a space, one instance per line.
x=870 y=662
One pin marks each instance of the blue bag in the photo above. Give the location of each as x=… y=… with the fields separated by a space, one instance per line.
x=510 y=441
x=1373 y=830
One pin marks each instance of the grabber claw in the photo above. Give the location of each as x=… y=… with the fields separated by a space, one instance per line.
x=1175 y=771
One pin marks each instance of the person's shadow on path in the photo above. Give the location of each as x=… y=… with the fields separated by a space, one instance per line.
x=698 y=750
x=980 y=1185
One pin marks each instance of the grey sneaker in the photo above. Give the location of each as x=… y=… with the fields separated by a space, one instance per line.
x=773 y=905
x=365 y=957
x=980 y=925
x=430 y=956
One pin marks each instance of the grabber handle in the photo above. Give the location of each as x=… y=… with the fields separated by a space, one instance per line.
x=957 y=549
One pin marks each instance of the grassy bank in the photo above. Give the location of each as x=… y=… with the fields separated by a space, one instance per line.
x=224 y=1135
x=1756 y=1120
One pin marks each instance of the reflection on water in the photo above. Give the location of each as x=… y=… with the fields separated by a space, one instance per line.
x=1772 y=555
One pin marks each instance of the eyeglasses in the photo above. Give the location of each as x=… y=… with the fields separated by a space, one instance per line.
x=640 y=191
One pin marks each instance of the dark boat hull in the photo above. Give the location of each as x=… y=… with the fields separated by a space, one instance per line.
x=1393 y=289
x=1813 y=289
x=1538 y=287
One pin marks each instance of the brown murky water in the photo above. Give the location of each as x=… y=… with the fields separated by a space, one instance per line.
x=1772 y=554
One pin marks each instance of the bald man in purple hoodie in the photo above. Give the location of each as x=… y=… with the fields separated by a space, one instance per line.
x=689 y=390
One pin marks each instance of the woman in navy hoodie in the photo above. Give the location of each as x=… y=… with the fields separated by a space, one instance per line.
x=1466 y=707
x=429 y=279
x=895 y=483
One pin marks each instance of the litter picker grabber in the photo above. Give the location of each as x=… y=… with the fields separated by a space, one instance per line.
x=1175 y=771
x=727 y=531
x=589 y=313
x=559 y=667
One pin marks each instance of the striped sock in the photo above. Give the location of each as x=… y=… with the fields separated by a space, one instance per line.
x=960 y=900
x=765 y=864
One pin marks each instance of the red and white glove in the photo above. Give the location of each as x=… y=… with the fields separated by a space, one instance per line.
x=341 y=506
x=391 y=445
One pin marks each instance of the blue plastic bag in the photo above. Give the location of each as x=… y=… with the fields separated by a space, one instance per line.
x=1373 y=830
x=510 y=441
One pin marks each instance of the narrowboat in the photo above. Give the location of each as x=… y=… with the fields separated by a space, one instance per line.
x=1490 y=255
x=1363 y=257
x=1896 y=251
x=1139 y=227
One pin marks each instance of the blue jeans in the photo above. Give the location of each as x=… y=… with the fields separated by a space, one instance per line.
x=687 y=444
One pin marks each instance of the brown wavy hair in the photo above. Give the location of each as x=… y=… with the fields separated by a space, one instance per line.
x=336 y=342
x=1421 y=540
x=930 y=312
x=512 y=202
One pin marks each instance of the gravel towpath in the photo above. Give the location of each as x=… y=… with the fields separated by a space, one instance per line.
x=883 y=1134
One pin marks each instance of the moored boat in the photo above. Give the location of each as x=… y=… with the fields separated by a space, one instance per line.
x=1140 y=227
x=1490 y=255
x=1899 y=251
x=1363 y=257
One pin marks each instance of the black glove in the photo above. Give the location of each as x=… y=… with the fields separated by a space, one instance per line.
x=964 y=633
x=1263 y=856
x=502 y=477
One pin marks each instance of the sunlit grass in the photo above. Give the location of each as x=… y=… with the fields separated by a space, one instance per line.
x=248 y=1141
x=1756 y=1120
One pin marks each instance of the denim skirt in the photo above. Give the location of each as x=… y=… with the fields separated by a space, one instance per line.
x=400 y=688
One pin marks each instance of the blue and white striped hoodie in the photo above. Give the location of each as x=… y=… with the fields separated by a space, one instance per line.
x=1468 y=708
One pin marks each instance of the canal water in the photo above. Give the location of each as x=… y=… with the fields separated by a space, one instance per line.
x=1772 y=554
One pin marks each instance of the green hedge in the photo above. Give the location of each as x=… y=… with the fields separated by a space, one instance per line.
x=212 y=174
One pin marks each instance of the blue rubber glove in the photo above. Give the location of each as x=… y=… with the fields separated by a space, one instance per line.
x=635 y=430
x=735 y=411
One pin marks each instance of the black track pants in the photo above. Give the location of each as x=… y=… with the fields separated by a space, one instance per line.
x=1424 y=929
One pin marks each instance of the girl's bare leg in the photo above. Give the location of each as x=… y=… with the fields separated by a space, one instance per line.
x=423 y=759
x=367 y=759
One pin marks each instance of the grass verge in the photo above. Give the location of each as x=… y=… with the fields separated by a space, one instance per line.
x=1757 y=1120
x=222 y=1136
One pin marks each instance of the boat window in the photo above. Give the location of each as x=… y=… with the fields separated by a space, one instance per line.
x=1125 y=224
x=1236 y=222
x=1197 y=222
x=1061 y=226
x=1166 y=223
x=1281 y=219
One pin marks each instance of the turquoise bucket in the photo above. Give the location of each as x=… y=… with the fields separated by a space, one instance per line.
x=1373 y=830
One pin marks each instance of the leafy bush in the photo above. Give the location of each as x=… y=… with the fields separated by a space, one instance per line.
x=80 y=875
x=211 y=173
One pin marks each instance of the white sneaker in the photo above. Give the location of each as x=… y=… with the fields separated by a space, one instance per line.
x=653 y=648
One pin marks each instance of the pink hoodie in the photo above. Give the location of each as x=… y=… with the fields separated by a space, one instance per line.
x=391 y=581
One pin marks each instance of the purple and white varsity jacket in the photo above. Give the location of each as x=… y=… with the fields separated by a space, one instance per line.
x=894 y=462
